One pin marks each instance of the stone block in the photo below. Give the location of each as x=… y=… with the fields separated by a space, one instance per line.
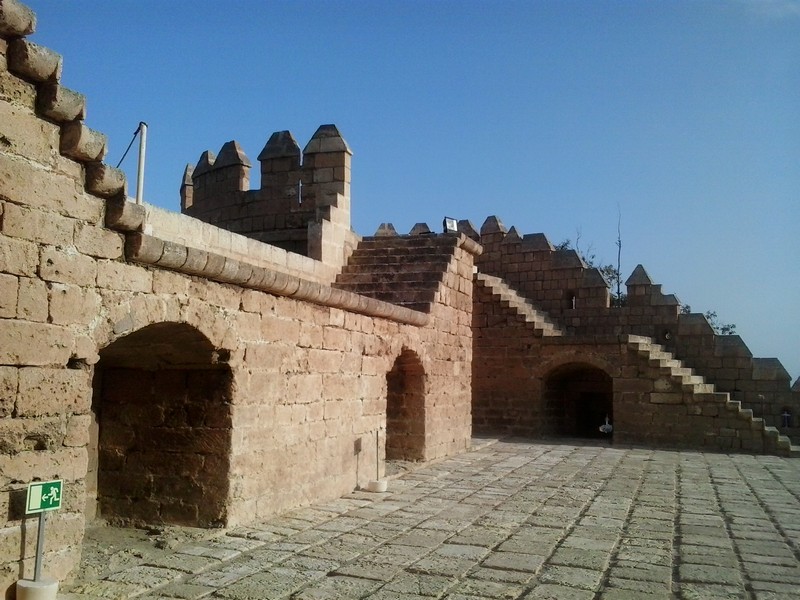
x=666 y=398
x=25 y=343
x=35 y=187
x=8 y=390
x=9 y=289
x=69 y=464
x=27 y=135
x=18 y=257
x=67 y=267
x=36 y=225
x=71 y=305
x=98 y=241
x=60 y=104
x=81 y=143
x=114 y=275
x=78 y=431
x=45 y=392
x=324 y=361
x=32 y=300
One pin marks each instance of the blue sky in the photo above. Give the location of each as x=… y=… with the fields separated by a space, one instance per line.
x=555 y=115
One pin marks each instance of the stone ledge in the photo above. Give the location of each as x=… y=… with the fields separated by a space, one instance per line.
x=149 y=250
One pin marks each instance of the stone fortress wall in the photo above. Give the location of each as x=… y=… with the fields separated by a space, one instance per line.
x=171 y=371
x=220 y=366
x=577 y=299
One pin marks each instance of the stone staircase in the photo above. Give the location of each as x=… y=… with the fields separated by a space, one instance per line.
x=526 y=311
x=402 y=270
x=657 y=356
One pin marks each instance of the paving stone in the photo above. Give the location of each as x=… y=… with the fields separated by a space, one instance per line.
x=420 y=584
x=185 y=591
x=587 y=519
x=185 y=563
x=488 y=589
x=774 y=590
x=703 y=591
x=209 y=552
x=709 y=574
x=336 y=588
x=107 y=589
x=228 y=574
x=623 y=594
x=146 y=577
x=275 y=583
x=437 y=564
x=774 y=573
x=698 y=555
x=641 y=571
x=637 y=586
x=380 y=571
x=586 y=579
x=586 y=543
x=558 y=592
x=490 y=574
x=588 y=559
x=514 y=561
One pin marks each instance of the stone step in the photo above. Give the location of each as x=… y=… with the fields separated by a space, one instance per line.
x=388 y=270
x=698 y=388
x=418 y=261
x=356 y=277
x=368 y=288
x=416 y=242
x=526 y=312
x=405 y=297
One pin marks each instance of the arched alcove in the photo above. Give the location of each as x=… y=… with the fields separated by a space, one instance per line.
x=161 y=444
x=405 y=408
x=578 y=398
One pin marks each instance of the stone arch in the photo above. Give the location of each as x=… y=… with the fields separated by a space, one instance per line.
x=162 y=436
x=405 y=408
x=578 y=396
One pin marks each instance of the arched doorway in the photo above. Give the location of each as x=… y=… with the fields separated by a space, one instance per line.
x=578 y=398
x=405 y=408
x=161 y=400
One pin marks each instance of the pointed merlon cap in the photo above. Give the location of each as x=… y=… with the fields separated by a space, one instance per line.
x=770 y=369
x=327 y=139
x=187 y=175
x=536 y=241
x=205 y=164
x=466 y=227
x=639 y=277
x=386 y=230
x=593 y=278
x=231 y=154
x=567 y=258
x=280 y=145
x=512 y=237
x=420 y=229
x=493 y=225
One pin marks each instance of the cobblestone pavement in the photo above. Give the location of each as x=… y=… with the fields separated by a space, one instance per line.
x=529 y=520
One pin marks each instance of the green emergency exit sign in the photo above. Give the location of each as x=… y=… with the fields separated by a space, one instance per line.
x=43 y=496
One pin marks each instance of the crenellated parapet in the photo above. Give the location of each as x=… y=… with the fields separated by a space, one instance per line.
x=303 y=204
x=557 y=280
x=577 y=297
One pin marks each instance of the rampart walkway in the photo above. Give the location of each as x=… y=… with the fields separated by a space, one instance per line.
x=509 y=520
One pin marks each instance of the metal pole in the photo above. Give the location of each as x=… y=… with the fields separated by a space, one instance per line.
x=377 y=455
x=37 y=569
x=140 y=171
